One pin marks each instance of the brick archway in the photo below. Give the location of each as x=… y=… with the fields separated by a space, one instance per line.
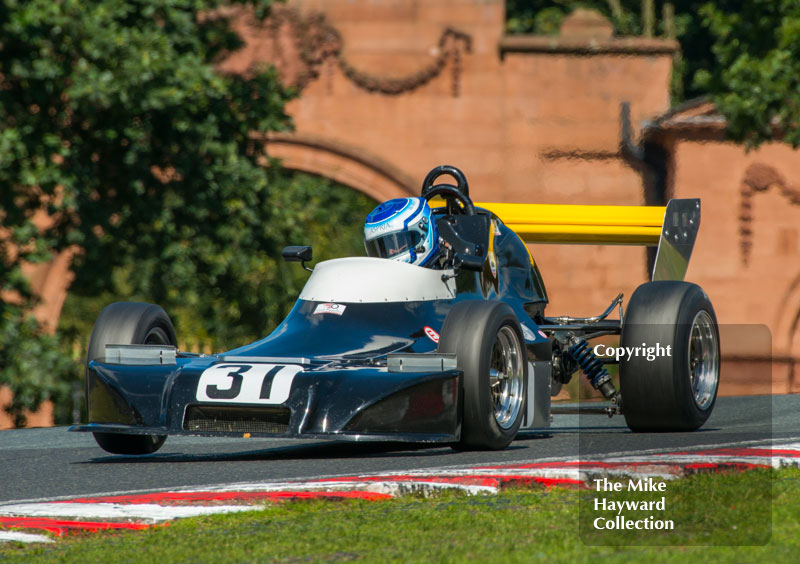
x=351 y=166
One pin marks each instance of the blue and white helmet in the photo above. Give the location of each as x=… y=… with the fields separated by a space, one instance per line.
x=402 y=229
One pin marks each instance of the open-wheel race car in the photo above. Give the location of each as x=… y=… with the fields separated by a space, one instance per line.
x=440 y=335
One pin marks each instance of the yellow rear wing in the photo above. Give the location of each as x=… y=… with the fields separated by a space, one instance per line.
x=672 y=228
x=587 y=225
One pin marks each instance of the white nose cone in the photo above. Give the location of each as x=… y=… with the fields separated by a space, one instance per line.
x=375 y=280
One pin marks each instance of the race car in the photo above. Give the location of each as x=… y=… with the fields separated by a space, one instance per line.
x=441 y=338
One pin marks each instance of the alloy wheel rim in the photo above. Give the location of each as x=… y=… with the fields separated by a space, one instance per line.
x=703 y=360
x=506 y=374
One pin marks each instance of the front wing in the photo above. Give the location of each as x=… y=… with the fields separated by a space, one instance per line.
x=218 y=397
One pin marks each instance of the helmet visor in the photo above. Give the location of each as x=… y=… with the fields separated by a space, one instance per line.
x=393 y=244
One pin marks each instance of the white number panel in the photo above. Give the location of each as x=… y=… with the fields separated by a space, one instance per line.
x=233 y=382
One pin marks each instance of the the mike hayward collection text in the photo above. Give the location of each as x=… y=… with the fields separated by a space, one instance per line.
x=616 y=514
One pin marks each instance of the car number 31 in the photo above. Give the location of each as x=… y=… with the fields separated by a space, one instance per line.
x=246 y=383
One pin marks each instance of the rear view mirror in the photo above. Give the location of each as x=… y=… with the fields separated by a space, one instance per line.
x=302 y=254
x=297 y=253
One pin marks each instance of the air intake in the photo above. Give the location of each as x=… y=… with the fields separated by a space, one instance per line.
x=226 y=419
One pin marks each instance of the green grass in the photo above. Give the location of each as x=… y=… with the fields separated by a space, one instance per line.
x=514 y=526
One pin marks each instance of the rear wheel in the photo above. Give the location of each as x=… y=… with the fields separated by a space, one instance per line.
x=676 y=391
x=487 y=340
x=128 y=323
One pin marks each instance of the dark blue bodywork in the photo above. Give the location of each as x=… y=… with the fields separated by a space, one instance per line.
x=342 y=388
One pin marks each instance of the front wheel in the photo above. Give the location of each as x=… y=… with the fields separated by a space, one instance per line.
x=487 y=340
x=673 y=387
x=128 y=323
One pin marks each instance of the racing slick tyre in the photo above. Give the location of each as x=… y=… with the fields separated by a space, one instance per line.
x=128 y=323
x=676 y=388
x=487 y=340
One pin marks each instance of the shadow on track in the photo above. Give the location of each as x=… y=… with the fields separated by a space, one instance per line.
x=332 y=450
x=328 y=450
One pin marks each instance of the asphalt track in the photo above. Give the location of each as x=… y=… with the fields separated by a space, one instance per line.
x=52 y=463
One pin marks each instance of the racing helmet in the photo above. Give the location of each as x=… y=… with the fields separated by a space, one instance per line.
x=402 y=229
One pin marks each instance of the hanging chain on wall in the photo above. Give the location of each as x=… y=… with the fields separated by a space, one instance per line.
x=316 y=40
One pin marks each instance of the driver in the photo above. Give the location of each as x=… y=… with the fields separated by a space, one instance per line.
x=403 y=229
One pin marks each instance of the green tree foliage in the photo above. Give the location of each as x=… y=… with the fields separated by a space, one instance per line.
x=115 y=124
x=308 y=211
x=745 y=55
x=756 y=79
x=33 y=364
x=545 y=16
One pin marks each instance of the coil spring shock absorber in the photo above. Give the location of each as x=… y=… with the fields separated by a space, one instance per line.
x=593 y=369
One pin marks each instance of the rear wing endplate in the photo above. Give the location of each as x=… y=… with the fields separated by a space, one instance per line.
x=672 y=228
